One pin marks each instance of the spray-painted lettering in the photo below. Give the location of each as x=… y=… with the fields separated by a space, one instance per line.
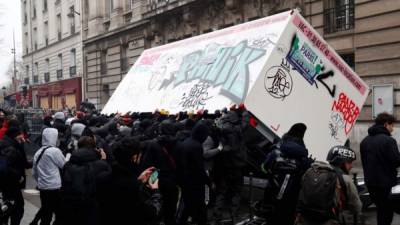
x=349 y=110
x=229 y=69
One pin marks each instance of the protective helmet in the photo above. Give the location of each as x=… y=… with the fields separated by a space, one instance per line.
x=340 y=154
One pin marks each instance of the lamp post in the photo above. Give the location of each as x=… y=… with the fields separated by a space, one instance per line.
x=4 y=96
x=71 y=14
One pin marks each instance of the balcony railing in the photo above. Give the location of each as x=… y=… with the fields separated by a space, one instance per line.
x=59 y=74
x=47 y=77
x=339 y=18
x=72 y=71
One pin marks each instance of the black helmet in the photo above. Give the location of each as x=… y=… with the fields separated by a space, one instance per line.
x=340 y=154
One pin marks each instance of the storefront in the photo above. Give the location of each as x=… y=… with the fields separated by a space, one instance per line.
x=60 y=95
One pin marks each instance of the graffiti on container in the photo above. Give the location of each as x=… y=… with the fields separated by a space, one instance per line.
x=278 y=81
x=348 y=110
x=197 y=97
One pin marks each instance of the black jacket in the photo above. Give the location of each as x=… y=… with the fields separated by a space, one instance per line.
x=86 y=211
x=380 y=157
x=126 y=202
x=17 y=163
x=160 y=153
x=191 y=162
x=100 y=169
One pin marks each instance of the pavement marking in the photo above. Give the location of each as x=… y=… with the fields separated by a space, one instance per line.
x=31 y=192
x=29 y=214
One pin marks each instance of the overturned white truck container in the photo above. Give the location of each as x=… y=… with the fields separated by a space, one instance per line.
x=279 y=66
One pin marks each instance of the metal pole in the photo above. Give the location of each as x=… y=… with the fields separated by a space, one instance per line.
x=15 y=70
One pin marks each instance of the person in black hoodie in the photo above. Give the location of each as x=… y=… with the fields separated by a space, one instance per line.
x=83 y=183
x=160 y=153
x=14 y=178
x=291 y=150
x=380 y=159
x=228 y=167
x=128 y=199
x=192 y=176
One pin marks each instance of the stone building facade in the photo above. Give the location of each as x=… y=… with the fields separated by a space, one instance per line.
x=366 y=33
x=52 y=53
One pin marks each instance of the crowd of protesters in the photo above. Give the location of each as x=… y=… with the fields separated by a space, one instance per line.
x=157 y=168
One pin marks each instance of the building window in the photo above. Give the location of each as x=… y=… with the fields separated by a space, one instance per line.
x=59 y=66
x=103 y=62
x=36 y=73
x=25 y=15
x=111 y=5
x=26 y=81
x=34 y=10
x=59 y=30
x=72 y=68
x=124 y=58
x=71 y=16
x=349 y=59
x=46 y=33
x=44 y=5
x=26 y=71
x=129 y=4
x=47 y=69
x=338 y=15
x=35 y=38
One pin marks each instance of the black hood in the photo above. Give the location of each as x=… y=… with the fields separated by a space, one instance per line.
x=293 y=150
x=200 y=132
x=378 y=129
x=84 y=155
x=230 y=117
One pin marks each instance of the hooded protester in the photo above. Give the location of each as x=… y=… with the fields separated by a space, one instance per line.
x=128 y=197
x=12 y=177
x=76 y=132
x=59 y=124
x=193 y=177
x=161 y=154
x=47 y=163
x=84 y=180
x=286 y=163
x=188 y=125
x=380 y=159
x=228 y=167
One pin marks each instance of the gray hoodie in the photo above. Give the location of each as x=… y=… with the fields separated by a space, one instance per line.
x=47 y=171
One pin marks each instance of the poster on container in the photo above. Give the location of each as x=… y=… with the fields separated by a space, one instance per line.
x=209 y=71
x=305 y=81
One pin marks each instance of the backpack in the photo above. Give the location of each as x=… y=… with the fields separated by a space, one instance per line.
x=78 y=182
x=317 y=200
x=284 y=175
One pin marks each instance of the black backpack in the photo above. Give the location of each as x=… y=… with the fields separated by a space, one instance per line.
x=78 y=182
x=317 y=200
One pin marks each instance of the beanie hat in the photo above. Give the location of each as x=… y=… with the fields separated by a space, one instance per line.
x=297 y=130
x=77 y=129
x=59 y=116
